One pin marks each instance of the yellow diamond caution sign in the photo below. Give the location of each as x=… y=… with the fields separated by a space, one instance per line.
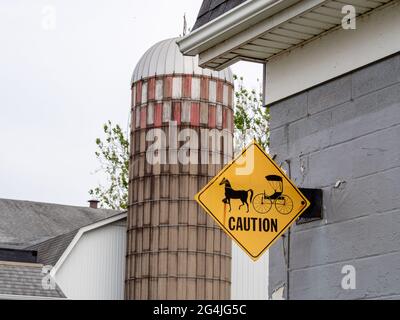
x=253 y=200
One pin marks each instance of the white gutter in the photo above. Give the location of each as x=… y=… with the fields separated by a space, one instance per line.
x=230 y=23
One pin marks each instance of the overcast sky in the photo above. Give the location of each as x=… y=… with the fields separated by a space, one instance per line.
x=65 y=68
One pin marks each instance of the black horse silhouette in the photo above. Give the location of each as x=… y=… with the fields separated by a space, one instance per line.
x=235 y=194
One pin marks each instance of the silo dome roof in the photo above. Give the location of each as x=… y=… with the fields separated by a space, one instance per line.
x=165 y=58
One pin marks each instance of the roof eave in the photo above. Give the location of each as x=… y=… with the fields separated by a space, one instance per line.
x=260 y=30
x=221 y=28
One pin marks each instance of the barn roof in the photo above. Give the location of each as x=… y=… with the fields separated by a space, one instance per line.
x=18 y=280
x=50 y=251
x=24 y=223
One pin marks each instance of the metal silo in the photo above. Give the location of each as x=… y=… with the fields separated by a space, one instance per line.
x=174 y=250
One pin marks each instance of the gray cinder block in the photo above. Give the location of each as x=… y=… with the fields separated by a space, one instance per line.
x=288 y=110
x=329 y=94
x=376 y=76
x=344 y=130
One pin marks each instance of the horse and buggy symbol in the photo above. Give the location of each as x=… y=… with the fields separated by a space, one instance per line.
x=262 y=202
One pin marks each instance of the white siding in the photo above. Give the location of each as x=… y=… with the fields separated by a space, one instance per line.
x=249 y=278
x=95 y=268
x=377 y=36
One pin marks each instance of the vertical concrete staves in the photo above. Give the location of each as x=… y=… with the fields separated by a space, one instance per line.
x=175 y=251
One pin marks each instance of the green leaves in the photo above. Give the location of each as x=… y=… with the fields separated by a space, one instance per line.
x=113 y=155
x=250 y=117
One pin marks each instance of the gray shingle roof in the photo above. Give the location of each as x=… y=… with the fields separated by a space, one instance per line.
x=50 y=251
x=211 y=9
x=24 y=223
x=25 y=280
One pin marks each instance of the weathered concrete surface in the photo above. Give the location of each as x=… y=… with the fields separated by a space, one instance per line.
x=349 y=130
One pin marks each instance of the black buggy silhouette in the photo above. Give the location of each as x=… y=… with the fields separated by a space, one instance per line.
x=262 y=202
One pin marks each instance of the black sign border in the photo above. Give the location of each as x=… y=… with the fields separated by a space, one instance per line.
x=224 y=228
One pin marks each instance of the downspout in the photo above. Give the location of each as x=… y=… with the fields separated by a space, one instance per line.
x=288 y=245
x=264 y=88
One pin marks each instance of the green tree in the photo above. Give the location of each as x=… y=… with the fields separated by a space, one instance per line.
x=250 y=120
x=250 y=117
x=113 y=155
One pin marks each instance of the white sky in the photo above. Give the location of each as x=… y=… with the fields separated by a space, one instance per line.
x=59 y=84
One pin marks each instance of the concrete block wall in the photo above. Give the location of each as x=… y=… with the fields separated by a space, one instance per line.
x=347 y=130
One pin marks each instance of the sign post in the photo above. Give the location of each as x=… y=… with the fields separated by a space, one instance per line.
x=253 y=200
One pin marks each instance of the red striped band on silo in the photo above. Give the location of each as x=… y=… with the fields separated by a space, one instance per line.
x=189 y=99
